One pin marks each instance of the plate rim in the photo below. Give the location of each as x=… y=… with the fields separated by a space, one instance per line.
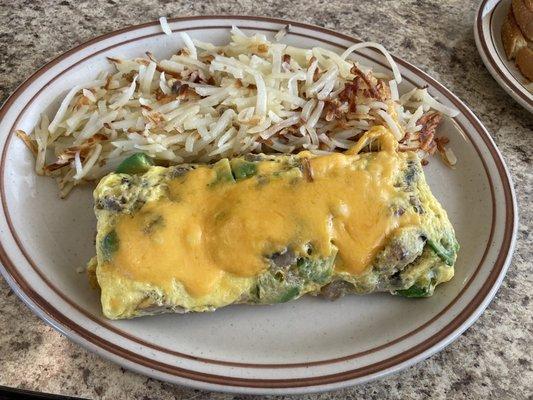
x=492 y=59
x=127 y=336
x=504 y=257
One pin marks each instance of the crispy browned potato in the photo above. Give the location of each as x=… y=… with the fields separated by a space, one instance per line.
x=524 y=62
x=512 y=37
x=523 y=13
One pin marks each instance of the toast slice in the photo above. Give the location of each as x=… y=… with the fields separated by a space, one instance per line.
x=523 y=13
x=512 y=37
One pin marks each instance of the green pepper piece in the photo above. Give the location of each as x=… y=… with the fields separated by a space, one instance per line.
x=223 y=171
x=448 y=256
x=290 y=294
x=109 y=244
x=415 y=291
x=243 y=169
x=273 y=288
x=138 y=163
x=315 y=270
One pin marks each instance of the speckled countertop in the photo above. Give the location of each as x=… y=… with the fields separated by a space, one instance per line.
x=491 y=360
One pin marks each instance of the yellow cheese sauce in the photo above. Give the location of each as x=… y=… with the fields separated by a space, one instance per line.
x=202 y=231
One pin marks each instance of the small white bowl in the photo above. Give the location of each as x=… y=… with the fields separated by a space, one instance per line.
x=487 y=30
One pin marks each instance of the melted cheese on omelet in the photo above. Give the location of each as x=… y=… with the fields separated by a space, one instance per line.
x=202 y=243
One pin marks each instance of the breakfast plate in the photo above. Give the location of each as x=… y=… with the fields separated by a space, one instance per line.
x=488 y=23
x=304 y=346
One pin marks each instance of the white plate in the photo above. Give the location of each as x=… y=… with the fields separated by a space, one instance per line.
x=303 y=346
x=487 y=30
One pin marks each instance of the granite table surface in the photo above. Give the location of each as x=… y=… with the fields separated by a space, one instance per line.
x=492 y=359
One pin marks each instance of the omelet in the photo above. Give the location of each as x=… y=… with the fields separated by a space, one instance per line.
x=267 y=229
